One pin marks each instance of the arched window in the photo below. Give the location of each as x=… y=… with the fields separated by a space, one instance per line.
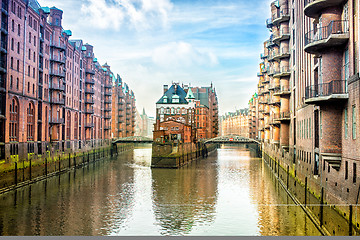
x=30 y=122
x=14 y=120
x=68 y=125
x=76 y=125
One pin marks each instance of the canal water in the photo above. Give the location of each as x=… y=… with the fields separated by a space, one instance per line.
x=229 y=193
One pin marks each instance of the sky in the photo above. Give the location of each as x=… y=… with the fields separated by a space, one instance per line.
x=150 y=43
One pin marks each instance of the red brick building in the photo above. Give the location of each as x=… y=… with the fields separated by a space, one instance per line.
x=54 y=93
x=308 y=95
x=196 y=112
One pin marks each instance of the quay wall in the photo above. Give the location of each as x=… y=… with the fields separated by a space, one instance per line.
x=331 y=214
x=171 y=155
x=25 y=170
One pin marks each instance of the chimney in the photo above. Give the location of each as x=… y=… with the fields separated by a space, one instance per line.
x=166 y=87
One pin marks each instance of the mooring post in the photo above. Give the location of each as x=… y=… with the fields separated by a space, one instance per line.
x=306 y=183
x=321 y=206
x=59 y=163
x=69 y=161
x=30 y=168
x=287 y=180
x=45 y=166
x=15 y=173
x=75 y=160
x=350 y=219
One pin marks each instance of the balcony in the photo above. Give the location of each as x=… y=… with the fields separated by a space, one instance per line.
x=283 y=34
x=4 y=28
x=90 y=71
x=90 y=81
x=59 y=59
x=89 y=111
x=263 y=56
x=333 y=91
x=333 y=35
x=89 y=101
x=269 y=23
x=57 y=87
x=313 y=7
x=57 y=73
x=107 y=116
x=89 y=91
x=282 y=15
x=260 y=74
x=284 y=53
x=107 y=101
x=56 y=121
x=283 y=91
x=58 y=45
x=107 y=109
x=57 y=101
x=283 y=116
x=107 y=86
x=284 y=72
x=275 y=101
x=89 y=125
x=107 y=93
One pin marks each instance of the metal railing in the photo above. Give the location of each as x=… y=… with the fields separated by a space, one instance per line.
x=284 y=12
x=57 y=101
x=334 y=27
x=57 y=45
x=90 y=71
x=56 y=87
x=57 y=72
x=326 y=89
x=57 y=58
x=281 y=32
x=90 y=81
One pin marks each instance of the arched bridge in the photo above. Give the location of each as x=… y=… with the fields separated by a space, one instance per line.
x=231 y=139
x=133 y=139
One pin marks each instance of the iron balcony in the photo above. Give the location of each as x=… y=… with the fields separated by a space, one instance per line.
x=333 y=91
x=333 y=35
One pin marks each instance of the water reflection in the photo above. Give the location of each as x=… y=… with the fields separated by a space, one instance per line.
x=229 y=193
x=184 y=198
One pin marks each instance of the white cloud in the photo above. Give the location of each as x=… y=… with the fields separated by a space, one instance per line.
x=137 y=14
x=182 y=54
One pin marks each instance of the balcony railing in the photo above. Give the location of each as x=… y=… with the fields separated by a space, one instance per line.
x=334 y=34
x=57 y=58
x=90 y=71
x=57 y=72
x=284 y=71
x=281 y=15
x=283 y=34
x=58 y=45
x=89 y=111
x=89 y=91
x=90 y=81
x=57 y=87
x=89 y=101
x=57 y=101
x=334 y=90
x=57 y=121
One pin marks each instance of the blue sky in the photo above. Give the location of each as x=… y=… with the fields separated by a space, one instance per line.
x=154 y=42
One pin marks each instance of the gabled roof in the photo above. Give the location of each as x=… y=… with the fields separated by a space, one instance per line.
x=190 y=94
x=179 y=91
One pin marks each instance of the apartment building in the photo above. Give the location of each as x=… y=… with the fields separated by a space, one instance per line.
x=236 y=123
x=55 y=95
x=308 y=94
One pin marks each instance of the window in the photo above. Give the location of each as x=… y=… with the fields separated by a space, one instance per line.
x=76 y=127
x=33 y=88
x=346 y=123
x=30 y=122
x=33 y=72
x=18 y=29
x=346 y=170
x=353 y=122
x=68 y=125
x=14 y=120
x=12 y=25
x=18 y=47
x=29 y=71
x=29 y=54
x=354 y=172
x=35 y=41
x=12 y=44
x=11 y=62
x=28 y=87
x=30 y=37
x=320 y=125
x=11 y=82
x=18 y=65
x=17 y=83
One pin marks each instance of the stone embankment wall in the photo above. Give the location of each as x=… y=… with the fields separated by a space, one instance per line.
x=171 y=155
x=331 y=215
x=21 y=172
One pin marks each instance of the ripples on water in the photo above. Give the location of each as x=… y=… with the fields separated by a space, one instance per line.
x=229 y=193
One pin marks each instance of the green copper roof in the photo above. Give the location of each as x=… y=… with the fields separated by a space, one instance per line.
x=83 y=48
x=46 y=9
x=190 y=94
x=55 y=8
x=68 y=32
x=95 y=60
x=105 y=69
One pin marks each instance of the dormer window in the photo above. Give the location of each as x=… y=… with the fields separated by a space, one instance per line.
x=165 y=100
x=175 y=99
